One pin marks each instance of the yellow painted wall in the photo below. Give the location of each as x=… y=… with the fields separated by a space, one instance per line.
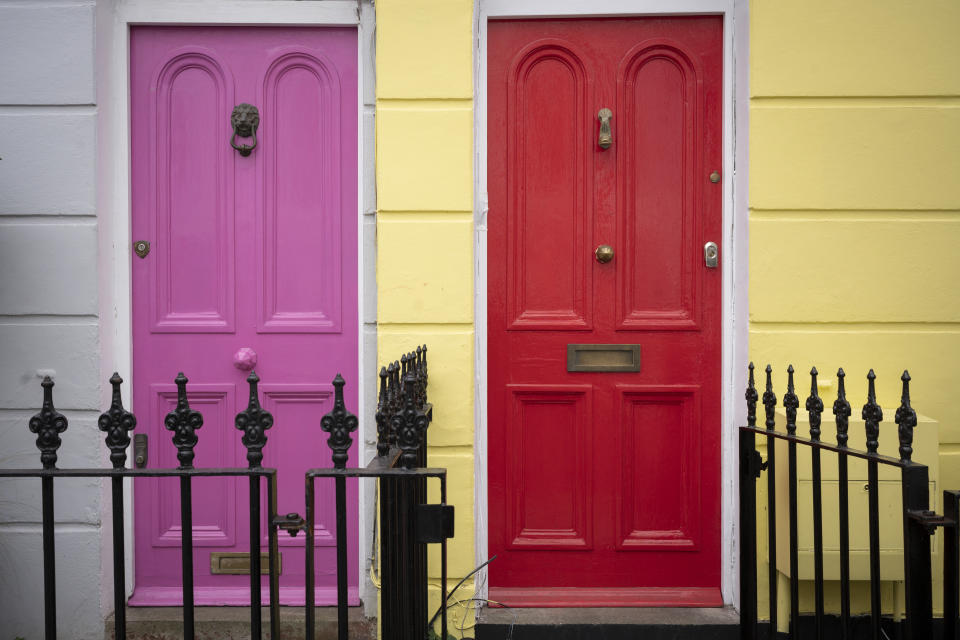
x=424 y=119
x=855 y=200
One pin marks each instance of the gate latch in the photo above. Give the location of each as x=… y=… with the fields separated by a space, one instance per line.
x=434 y=522
x=929 y=520
x=292 y=523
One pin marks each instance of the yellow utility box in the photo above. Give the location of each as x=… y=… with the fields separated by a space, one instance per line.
x=926 y=445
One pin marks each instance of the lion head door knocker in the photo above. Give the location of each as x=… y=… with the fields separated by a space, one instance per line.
x=245 y=119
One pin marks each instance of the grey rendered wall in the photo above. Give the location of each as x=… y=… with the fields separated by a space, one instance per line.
x=48 y=305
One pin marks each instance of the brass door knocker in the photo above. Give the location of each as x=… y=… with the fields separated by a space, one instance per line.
x=245 y=119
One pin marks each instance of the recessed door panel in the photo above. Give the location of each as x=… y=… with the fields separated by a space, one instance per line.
x=659 y=159
x=300 y=182
x=549 y=215
x=191 y=280
x=660 y=472
x=552 y=511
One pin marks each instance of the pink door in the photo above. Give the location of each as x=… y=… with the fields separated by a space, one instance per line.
x=255 y=251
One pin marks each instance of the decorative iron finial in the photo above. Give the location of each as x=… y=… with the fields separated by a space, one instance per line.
x=872 y=415
x=410 y=424
x=184 y=422
x=751 y=396
x=339 y=423
x=383 y=419
x=906 y=419
x=254 y=422
x=769 y=401
x=791 y=403
x=842 y=410
x=48 y=425
x=117 y=423
x=814 y=406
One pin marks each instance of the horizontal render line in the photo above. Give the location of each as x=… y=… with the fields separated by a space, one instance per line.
x=855 y=215
x=464 y=328
x=59 y=527
x=48 y=110
x=923 y=101
x=45 y=319
x=84 y=219
x=773 y=326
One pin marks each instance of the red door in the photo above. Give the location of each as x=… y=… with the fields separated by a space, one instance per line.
x=604 y=376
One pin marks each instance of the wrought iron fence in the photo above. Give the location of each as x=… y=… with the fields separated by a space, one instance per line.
x=409 y=523
x=919 y=522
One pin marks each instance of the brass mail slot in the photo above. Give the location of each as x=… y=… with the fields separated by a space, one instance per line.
x=239 y=563
x=603 y=357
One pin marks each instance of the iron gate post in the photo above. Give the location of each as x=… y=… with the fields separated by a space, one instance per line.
x=748 y=536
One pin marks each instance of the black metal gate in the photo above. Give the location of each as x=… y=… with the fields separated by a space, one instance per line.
x=408 y=523
x=919 y=522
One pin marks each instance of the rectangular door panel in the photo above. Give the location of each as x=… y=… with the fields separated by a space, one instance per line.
x=660 y=468
x=549 y=510
x=215 y=517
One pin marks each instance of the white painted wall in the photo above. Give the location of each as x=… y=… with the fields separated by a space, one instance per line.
x=49 y=305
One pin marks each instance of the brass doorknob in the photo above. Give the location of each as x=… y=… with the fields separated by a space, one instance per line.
x=604 y=253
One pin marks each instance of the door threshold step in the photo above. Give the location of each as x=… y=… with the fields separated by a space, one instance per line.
x=614 y=623
x=233 y=623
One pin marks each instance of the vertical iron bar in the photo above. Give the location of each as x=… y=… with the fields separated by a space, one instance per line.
x=842 y=411
x=119 y=569
x=748 y=536
x=817 y=543
x=790 y=404
x=951 y=566
x=256 y=622
x=274 y=555
x=844 y=546
x=443 y=566
x=49 y=560
x=814 y=407
x=311 y=561
x=916 y=556
x=342 y=557
x=874 y=523
x=769 y=402
x=794 y=541
x=186 y=554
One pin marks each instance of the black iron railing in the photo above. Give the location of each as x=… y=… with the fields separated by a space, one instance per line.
x=919 y=522
x=409 y=523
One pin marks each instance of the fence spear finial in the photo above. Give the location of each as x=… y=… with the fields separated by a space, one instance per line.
x=254 y=422
x=48 y=425
x=842 y=410
x=872 y=414
x=906 y=419
x=117 y=423
x=410 y=424
x=184 y=422
x=382 y=416
x=814 y=406
x=769 y=401
x=791 y=403
x=339 y=423
x=751 y=397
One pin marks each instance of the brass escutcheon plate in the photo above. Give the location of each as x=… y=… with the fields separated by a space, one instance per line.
x=603 y=357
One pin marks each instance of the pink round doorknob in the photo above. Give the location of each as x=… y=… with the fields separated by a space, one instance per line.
x=245 y=359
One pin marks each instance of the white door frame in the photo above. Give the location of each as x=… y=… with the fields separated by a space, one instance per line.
x=733 y=247
x=114 y=19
